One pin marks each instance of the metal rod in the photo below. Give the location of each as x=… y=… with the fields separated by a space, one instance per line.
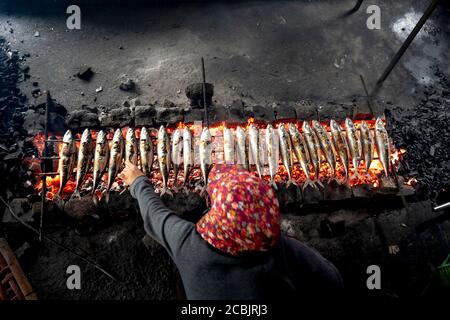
x=204 y=92
x=44 y=169
x=369 y=100
x=406 y=44
x=49 y=173
x=442 y=207
x=357 y=6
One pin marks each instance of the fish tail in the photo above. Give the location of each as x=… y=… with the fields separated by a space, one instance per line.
x=107 y=197
x=319 y=183
x=76 y=194
x=95 y=199
x=309 y=183
x=164 y=191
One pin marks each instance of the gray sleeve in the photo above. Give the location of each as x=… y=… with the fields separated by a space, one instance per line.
x=161 y=223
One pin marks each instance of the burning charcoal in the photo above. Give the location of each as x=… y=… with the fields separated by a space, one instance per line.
x=128 y=85
x=283 y=112
x=85 y=73
x=194 y=92
x=260 y=113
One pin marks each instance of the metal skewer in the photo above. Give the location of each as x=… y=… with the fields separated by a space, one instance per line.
x=204 y=93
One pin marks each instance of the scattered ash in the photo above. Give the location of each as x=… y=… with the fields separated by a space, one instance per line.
x=424 y=132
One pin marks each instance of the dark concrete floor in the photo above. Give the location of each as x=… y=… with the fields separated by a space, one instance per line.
x=260 y=51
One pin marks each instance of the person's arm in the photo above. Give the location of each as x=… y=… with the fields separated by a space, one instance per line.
x=160 y=223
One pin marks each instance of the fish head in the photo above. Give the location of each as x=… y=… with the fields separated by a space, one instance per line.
x=101 y=137
x=364 y=126
x=334 y=125
x=161 y=132
x=206 y=135
x=117 y=135
x=269 y=128
x=306 y=127
x=186 y=133
x=130 y=134
x=86 y=137
x=68 y=137
x=379 y=124
x=292 y=128
x=349 y=123
x=316 y=124
x=144 y=134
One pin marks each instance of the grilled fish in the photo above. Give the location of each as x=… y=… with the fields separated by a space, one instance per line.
x=115 y=160
x=163 y=149
x=131 y=147
x=146 y=151
x=326 y=145
x=255 y=148
x=188 y=157
x=272 y=154
x=177 y=147
x=84 y=160
x=228 y=146
x=383 y=146
x=301 y=153
x=354 y=143
x=241 y=147
x=286 y=153
x=367 y=143
x=340 y=144
x=312 y=142
x=205 y=153
x=101 y=155
x=67 y=160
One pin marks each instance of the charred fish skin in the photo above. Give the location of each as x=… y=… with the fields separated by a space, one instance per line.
x=84 y=160
x=286 y=152
x=272 y=159
x=326 y=145
x=115 y=160
x=146 y=151
x=367 y=142
x=205 y=153
x=313 y=146
x=228 y=146
x=101 y=156
x=241 y=148
x=255 y=148
x=131 y=149
x=164 y=159
x=383 y=145
x=301 y=153
x=341 y=145
x=188 y=156
x=66 y=160
x=354 y=143
x=177 y=147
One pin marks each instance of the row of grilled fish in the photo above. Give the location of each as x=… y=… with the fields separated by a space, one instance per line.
x=355 y=145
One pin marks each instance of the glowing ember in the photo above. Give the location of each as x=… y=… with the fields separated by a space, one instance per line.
x=371 y=178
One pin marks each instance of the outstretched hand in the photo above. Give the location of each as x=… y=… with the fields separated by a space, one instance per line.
x=130 y=173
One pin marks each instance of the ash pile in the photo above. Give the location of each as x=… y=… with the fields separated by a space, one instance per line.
x=425 y=131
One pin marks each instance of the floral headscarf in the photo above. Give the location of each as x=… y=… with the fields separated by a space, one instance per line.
x=244 y=214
